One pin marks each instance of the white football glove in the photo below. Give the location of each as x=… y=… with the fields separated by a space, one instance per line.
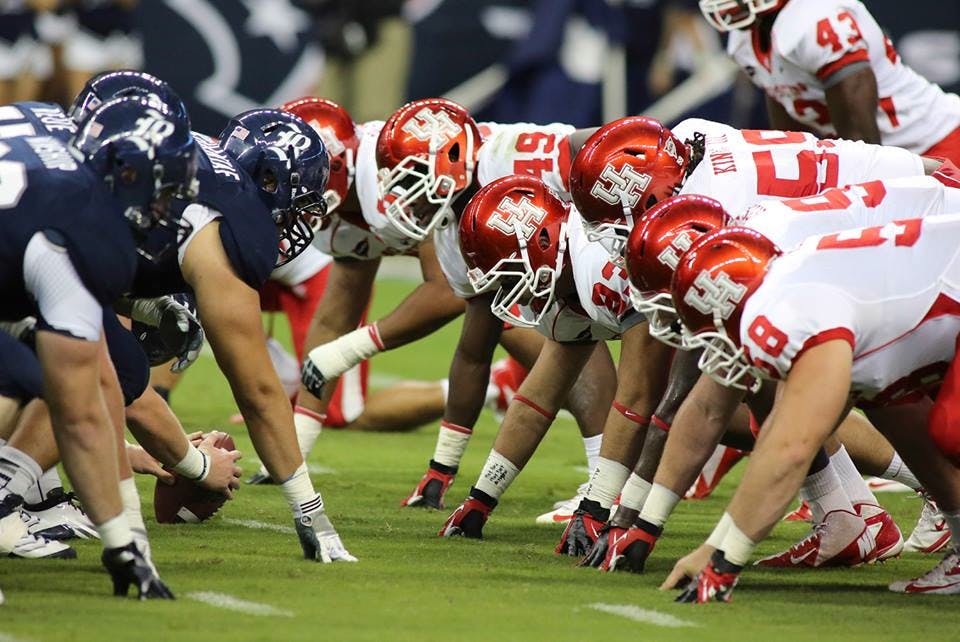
x=319 y=539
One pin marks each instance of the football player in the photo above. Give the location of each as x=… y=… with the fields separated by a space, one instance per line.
x=73 y=233
x=836 y=321
x=613 y=181
x=403 y=146
x=827 y=67
x=528 y=248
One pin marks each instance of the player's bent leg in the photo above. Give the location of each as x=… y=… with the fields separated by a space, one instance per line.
x=402 y=407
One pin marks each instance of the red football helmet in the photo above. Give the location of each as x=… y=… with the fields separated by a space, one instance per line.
x=426 y=150
x=513 y=238
x=710 y=287
x=727 y=15
x=339 y=134
x=624 y=168
x=661 y=236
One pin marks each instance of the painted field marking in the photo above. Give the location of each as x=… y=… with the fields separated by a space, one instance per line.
x=260 y=526
x=637 y=614
x=231 y=603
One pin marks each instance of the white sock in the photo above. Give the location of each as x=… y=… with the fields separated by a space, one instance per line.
x=607 y=481
x=635 y=492
x=309 y=425
x=898 y=471
x=18 y=471
x=660 y=503
x=497 y=475
x=50 y=480
x=452 y=441
x=489 y=399
x=115 y=532
x=853 y=484
x=299 y=492
x=131 y=504
x=824 y=492
x=591 y=447
x=953 y=522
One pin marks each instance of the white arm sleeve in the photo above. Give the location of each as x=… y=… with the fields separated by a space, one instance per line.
x=65 y=303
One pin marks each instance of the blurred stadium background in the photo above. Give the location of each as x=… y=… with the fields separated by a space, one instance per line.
x=576 y=61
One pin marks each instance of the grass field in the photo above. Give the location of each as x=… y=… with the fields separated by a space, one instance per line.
x=410 y=585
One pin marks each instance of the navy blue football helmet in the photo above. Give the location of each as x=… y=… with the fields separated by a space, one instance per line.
x=116 y=84
x=289 y=164
x=147 y=157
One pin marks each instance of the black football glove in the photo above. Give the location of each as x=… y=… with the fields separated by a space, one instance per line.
x=127 y=566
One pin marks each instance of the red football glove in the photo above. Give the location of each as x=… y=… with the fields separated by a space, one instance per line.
x=715 y=582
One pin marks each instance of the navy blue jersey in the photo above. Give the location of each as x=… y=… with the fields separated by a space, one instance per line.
x=249 y=236
x=20 y=376
x=44 y=189
x=129 y=359
x=35 y=119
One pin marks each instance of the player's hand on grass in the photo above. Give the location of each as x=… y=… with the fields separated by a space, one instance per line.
x=143 y=463
x=714 y=583
x=598 y=551
x=319 y=539
x=224 y=475
x=128 y=567
x=687 y=568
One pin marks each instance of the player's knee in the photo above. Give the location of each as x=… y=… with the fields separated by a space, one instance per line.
x=943 y=428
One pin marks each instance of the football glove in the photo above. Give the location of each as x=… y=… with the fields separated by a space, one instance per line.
x=715 y=582
x=319 y=539
x=128 y=566
x=631 y=549
x=598 y=552
x=469 y=518
x=583 y=530
x=433 y=486
x=178 y=333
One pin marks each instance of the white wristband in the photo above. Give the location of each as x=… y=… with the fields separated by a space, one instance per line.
x=195 y=464
x=336 y=357
x=716 y=537
x=737 y=547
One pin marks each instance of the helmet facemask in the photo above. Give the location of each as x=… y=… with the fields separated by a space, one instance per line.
x=723 y=360
x=661 y=316
x=730 y=15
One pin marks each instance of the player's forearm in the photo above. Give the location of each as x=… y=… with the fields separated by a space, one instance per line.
x=269 y=418
x=157 y=429
x=468 y=383
x=428 y=308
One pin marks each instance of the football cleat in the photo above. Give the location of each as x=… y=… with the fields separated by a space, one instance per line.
x=12 y=527
x=717 y=466
x=127 y=567
x=563 y=510
x=714 y=583
x=885 y=532
x=842 y=539
x=60 y=517
x=319 y=539
x=32 y=546
x=801 y=513
x=583 y=529
x=942 y=579
x=931 y=534
x=881 y=485
x=629 y=551
x=467 y=520
x=432 y=487
x=506 y=375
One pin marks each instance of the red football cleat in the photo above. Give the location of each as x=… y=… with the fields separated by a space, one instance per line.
x=885 y=532
x=506 y=375
x=430 y=492
x=721 y=461
x=801 y=513
x=467 y=520
x=942 y=579
x=842 y=539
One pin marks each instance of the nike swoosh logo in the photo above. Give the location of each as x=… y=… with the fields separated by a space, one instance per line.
x=802 y=559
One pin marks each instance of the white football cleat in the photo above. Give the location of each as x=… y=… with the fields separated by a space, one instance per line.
x=563 y=510
x=942 y=579
x=931 y=533
x=59 y=517
x=35 y=547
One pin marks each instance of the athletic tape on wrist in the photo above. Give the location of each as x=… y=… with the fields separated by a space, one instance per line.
x=537 y=408
x=455 y=427
x=375 y=336
x=659 y=423
x=631 y=415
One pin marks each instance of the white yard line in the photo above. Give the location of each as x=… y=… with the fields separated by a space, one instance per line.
x=637 y=614
x=260 y=526
x=4 y=637
x=231 y=603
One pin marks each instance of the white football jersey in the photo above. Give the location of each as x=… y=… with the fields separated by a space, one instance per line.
x=741 y=167
x=603 y=288
x=524 y=148
x=813 y=42
x=542 y=151
x=789 y=222
x=303 y=266
x=892 y=292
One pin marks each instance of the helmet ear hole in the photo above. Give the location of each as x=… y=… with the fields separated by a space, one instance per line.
x=268 y=181
x=543 y=239
x=651 y=201
x=455 y=152
x=128 y=175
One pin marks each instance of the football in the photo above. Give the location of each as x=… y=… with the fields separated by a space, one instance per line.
x=184 y=500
